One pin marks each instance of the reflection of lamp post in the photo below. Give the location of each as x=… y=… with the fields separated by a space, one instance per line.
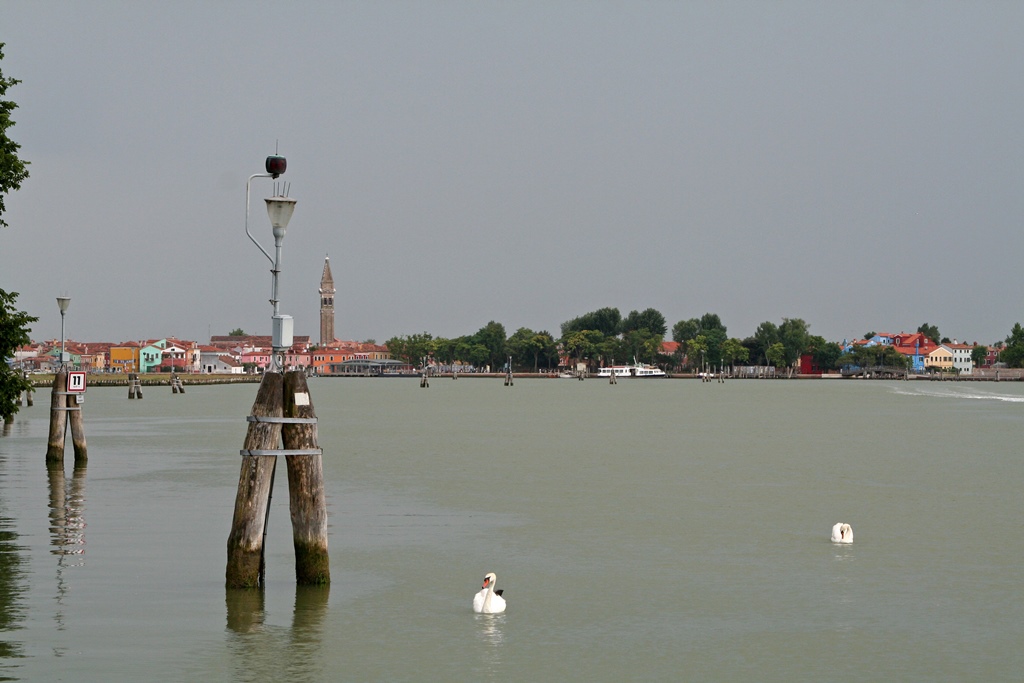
x=62 y=303
x=279 y=209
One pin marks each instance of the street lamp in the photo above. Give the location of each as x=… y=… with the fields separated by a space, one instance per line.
x=62 y=303
x=279 y=209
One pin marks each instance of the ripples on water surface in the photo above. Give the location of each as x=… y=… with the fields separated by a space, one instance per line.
x=667 y=530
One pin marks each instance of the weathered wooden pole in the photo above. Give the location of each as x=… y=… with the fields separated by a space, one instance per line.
x=255 y=481
x=58 y=418
x=77 y=424
x=307 y=500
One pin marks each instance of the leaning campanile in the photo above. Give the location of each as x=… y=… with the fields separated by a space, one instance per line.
x=327 y=305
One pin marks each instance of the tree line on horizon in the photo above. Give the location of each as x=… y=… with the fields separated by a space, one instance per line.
x=604 y=337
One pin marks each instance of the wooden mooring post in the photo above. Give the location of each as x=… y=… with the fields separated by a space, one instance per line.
x=268 y=423
x=65 y=408
x=307 y=501
x=134 y=385
x=176 y=386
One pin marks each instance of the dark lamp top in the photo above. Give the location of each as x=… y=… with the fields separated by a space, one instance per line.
x=276 y=165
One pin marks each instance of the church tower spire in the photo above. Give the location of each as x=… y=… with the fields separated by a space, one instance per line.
x=327 y=305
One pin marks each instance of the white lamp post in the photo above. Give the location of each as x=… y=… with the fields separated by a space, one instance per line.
x=62 y=303
x=279 y=209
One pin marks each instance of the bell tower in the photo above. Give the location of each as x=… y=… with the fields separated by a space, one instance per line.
x=327 y=305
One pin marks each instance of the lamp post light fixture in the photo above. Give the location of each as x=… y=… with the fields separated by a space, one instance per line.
x=62 y=303
x=279 y=209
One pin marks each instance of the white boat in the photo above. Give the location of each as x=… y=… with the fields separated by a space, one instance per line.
x=634 y=370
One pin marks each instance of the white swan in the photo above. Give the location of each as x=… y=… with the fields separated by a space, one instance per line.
x=488 y=600
x=842 y=533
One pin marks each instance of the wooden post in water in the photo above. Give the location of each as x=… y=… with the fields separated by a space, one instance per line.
x=58 y=418
x=74 y=412
x=308 y=502
x=255 y=481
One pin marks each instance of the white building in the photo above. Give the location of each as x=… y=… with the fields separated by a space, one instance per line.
x=962 y=362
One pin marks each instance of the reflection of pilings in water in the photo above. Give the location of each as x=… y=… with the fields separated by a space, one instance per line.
x=307 y=631
x=67 y=512
x=245 y=609
x=275 y=652
x=13 y=588
x=67 y=527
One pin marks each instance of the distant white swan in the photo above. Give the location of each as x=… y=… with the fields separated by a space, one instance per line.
x=488 y=600
x=842 y=533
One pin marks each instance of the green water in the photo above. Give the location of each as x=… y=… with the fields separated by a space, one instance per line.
x=650 y=530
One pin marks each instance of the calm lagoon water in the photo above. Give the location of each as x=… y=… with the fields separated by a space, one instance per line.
x=650 y=530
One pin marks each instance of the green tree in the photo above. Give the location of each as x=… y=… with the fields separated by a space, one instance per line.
x=685 y=330
x=529 y=348
x=734 y=351
x=793 y=335
x=978 y=355
x=583 y=345
x=776 y=354
x=766 y=335
x=650 y=319
x=696 y=352
x=825 y=353
x=930 y=331
x=607 y=321
x=444 y=350
x=237 y=332
x=14 y=332
x=878 y=355
x=492 y=337
x=711 y=321
x=411 y=349
x=1013 y=352
x=13 y=170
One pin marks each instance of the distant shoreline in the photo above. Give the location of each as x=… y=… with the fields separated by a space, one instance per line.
x=164 y=379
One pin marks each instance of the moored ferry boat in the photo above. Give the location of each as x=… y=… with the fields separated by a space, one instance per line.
x=634 y=370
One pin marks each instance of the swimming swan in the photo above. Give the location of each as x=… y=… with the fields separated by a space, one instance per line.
x=488 y=600
x=842 y=533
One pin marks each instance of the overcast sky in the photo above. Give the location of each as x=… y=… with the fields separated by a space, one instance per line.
x=859 y=165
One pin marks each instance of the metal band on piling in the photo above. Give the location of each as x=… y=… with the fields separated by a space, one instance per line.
x=282 y=420
x=282 y=451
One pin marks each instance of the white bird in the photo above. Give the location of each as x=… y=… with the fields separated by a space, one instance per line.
x=488 y=600
x=842 y=533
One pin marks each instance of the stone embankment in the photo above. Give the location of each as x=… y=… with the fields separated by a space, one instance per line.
x=102 y=379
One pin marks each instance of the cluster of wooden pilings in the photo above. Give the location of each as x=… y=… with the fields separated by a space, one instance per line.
x=176 y=386
x=65 y=409
x=134 y=385
x=283 y=413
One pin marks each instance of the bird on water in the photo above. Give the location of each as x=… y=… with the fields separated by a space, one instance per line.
x=842 y=533
x=488 y=600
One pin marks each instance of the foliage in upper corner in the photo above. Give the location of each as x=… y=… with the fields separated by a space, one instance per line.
x=12 y=169
x=14 y=331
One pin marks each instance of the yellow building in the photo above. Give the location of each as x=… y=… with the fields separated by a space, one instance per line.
x=939 y=360
x=124 y=358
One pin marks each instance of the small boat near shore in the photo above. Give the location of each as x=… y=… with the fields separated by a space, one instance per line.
x=633 y=370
